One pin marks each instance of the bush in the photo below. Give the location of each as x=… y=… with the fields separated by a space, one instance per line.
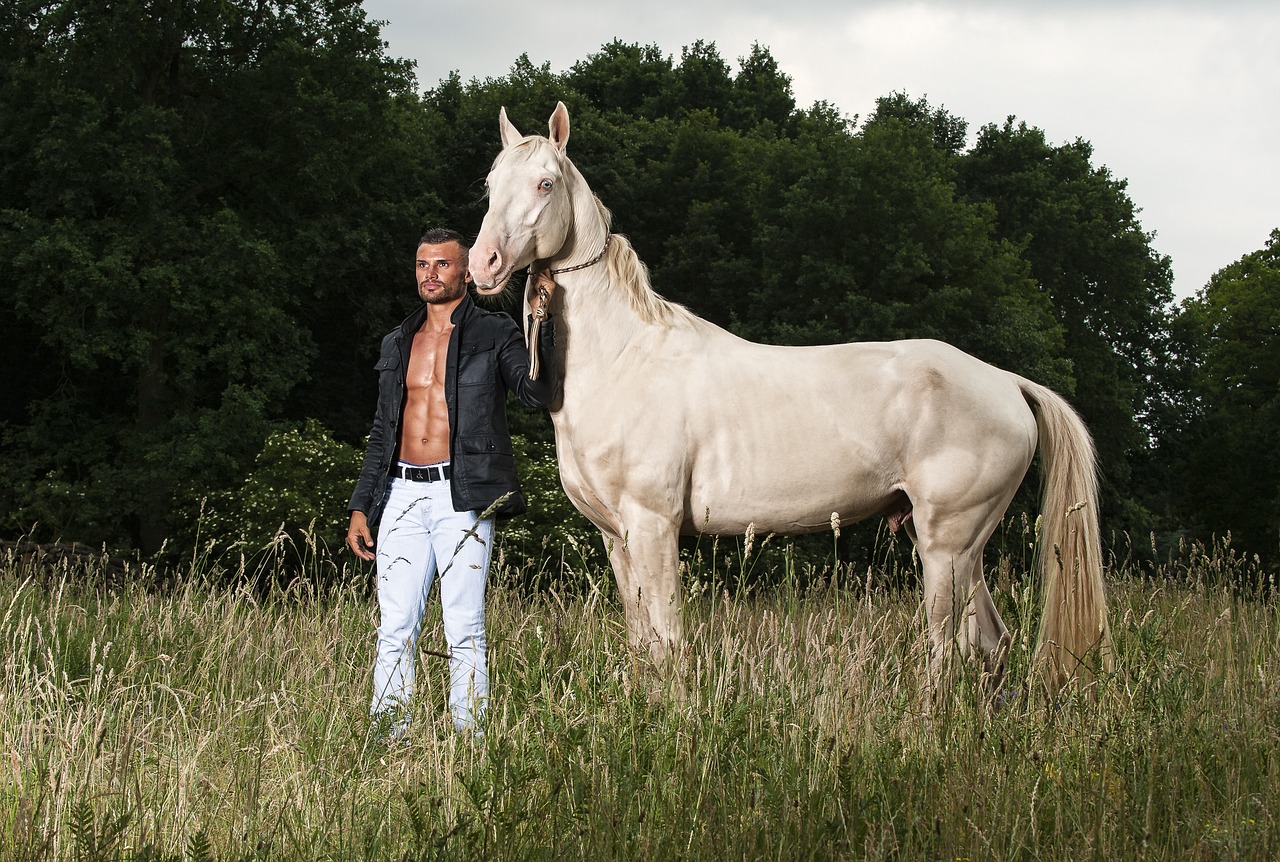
x=297 y=491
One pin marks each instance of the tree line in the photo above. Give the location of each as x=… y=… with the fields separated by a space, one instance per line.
x=208 y=212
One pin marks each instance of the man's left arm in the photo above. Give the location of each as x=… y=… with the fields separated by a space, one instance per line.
x=513 y=364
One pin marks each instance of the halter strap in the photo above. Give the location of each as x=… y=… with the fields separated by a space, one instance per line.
x=608 y=238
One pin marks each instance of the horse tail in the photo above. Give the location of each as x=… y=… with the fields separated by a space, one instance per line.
x=1075 y=637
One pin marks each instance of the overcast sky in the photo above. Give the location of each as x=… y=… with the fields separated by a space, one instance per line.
x=1182 y=99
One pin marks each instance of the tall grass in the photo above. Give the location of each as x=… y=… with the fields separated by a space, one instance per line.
x=206 y=722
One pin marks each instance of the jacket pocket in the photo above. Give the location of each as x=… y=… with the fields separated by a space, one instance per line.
x=388 y=368
x=488 y=466
x=484 y=444
x=477 y=363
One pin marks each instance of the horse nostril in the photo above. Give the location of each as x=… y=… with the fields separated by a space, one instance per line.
x=494 y=260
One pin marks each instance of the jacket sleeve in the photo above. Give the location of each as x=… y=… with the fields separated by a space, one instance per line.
x=373 y=470
x=362 y=496
x=513 y=362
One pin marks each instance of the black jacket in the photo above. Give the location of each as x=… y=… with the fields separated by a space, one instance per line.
x=487 y=356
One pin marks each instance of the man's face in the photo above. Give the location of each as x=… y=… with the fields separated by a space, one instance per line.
x=441 y=271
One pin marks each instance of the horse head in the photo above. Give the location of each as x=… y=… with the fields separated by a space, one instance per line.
x=530 y=215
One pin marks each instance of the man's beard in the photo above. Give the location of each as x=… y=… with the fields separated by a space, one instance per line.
x=445 y=294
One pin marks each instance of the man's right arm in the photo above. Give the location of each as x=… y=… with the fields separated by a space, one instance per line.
x=359 y=538
x=359 y=534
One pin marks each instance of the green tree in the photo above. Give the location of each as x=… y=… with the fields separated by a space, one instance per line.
x=187 y=185
x=885 y=247
x=626 y=81
x=703 y=82
x=1108 y=288
x=761 y=95
x=949 y=133
x=1228 y=336
x=707 y=182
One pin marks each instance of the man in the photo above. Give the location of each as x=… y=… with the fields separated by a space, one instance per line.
x=439 y=457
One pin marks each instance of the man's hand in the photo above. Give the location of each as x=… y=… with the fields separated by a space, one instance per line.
x=359 y=539
x=541 y=289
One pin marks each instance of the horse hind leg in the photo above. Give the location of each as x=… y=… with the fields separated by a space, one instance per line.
x=988 y=636
x=961 y=616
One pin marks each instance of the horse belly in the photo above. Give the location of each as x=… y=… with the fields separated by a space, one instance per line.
x=787 y=488
x=808 y=438
x=787 y=510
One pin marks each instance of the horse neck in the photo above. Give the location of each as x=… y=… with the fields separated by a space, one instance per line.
x=598 y=320
x=606 y=309
x=597 y=324
x=592 y=303
x=590 y=227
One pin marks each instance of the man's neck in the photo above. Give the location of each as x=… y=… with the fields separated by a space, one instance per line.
x=440 y=315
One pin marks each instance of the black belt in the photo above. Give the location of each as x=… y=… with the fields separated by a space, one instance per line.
x=423 y=474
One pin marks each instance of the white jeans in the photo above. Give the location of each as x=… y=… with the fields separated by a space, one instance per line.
x=421 y=535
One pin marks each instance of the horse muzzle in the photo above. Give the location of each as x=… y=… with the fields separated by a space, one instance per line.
x=489 y=270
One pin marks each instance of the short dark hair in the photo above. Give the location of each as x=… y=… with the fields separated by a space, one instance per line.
x=441 y=235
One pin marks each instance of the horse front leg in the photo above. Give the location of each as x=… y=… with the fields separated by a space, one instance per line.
x=633 y=609
x=646 y=564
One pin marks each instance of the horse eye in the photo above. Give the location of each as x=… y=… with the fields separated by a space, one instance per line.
x=545 y=185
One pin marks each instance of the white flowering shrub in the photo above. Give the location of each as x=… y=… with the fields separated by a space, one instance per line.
x=297 y=491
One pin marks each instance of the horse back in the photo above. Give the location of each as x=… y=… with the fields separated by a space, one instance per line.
x=727 y=433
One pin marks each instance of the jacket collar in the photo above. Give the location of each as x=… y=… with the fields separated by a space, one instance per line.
x=414 y=321
x=463 y=311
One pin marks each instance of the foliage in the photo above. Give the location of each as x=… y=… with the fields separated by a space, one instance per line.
x=208 y=209
x=1228 y=435
x=184 y=183
x=1106 y=286
x=892 y=251
x=552 y=529
x=298 y=488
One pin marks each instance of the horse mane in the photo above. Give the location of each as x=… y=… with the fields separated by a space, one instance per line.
x=629 y=272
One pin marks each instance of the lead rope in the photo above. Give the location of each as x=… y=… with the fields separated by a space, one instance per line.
x=545 y=288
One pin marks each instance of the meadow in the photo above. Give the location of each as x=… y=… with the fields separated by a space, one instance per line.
x=206 y=715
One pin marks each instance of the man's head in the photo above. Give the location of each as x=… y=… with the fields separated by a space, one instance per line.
x=440 y=267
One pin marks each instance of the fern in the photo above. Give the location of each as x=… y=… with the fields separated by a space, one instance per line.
x=199 y=848
x=83 y=831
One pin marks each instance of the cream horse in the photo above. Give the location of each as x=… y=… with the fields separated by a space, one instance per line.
x=668 y=424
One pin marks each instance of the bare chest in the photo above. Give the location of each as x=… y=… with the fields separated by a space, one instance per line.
x=427 y=361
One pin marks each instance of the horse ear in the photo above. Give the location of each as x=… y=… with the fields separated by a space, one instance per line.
x=559 y=126
x=509 y=133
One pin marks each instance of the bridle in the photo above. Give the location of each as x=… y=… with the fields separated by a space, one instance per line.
x=607 y=239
